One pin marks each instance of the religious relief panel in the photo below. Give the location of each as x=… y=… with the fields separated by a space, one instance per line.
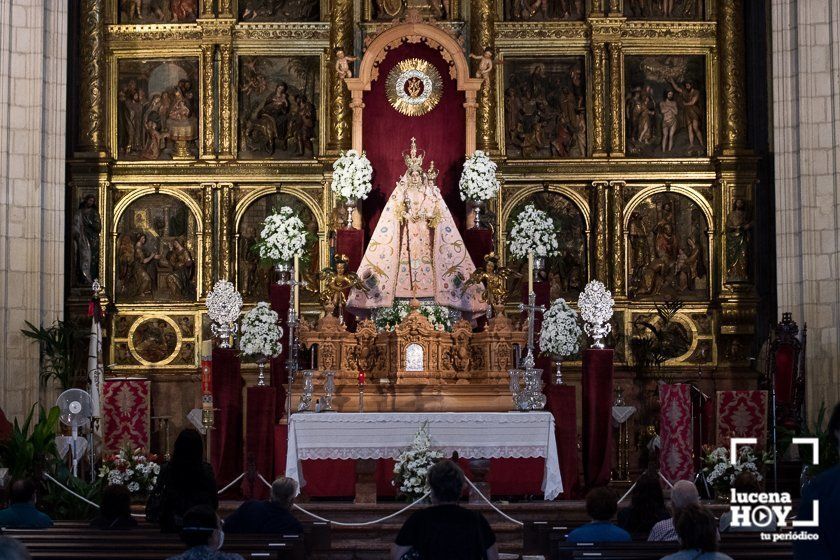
x=389 y=10
x=253 y=278
x=665 y=106
x=664 y=9
x=278 y=107
x=143 y=340
x=566 y=272
x=279 y=10
x=157 y=11
x=667 y=249
x=545 y=107
x=738 y=242
x=155 y=254
x=157 y=109
x=544 y=10
x=85 y=238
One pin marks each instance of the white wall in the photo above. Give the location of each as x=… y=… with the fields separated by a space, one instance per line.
x=33 y=69
x=806 y=122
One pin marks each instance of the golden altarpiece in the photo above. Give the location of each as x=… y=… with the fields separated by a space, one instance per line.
x=624 y=120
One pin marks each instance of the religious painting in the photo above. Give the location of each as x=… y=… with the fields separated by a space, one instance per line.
x=544 y=10
x=253 y=278
x=158 y=11
x=390 y=10
x=566 y=273
x=154 y=340
x=545 y=108
x=667 y=249
x=278 y=107
x=665 y=106
x=157 y=109
x=279 y=10
x=85 y=239
x=664 y=9
x=155 y=253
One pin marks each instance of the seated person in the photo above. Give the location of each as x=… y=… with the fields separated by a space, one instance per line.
x=21 y=513
x=203 y=535
x=115 y=511
x=747 y=483
x=601 y=505
x=13 y=549
x=697 y=534
x=683 y=494
x=647 y=507
x=270 y=516
x=445 y=530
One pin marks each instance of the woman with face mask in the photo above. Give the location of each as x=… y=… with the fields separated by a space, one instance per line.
x=202 y=534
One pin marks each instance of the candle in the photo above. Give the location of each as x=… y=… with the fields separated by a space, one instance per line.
x=297 y=286
x=530 y=272
x=361 y=378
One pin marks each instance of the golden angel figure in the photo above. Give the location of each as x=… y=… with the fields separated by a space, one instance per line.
x=494 y=279
x=336 y=284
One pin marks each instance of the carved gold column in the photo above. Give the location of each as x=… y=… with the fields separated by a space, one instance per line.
x=601 y=244
x=598 y=92
x=482 y=27
x=733 y=124
x=208 y=144
x=225 y=102
x=225 y=209
x=341 y=36
x=91 y=98
x=207 y=241
x=616 y=102
x=617 y=242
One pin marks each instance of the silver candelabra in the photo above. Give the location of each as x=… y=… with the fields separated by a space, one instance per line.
x=529 y=397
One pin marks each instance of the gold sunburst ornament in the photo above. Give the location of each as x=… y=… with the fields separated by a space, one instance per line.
x=414 y=87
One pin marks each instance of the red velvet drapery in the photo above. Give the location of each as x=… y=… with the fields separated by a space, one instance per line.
x=226 y=437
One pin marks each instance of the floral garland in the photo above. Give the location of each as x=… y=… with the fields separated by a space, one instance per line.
x=413 y=465
x=133 y=469
x=720 y=473
x=260 y=332
x=352 y=174
x=533 y=230
x=387 y=318
x=283 y=236
x=224 y=303
x=596 y=303
x=560 y=331
x=478 y=179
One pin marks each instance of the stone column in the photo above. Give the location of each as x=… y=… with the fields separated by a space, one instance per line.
x=619 y=286
x=341 y=37
x=733 y=115
x=482 y=25
x=91 y=91
x=225 y=209
x=208 y=140
x=616 y=102
x=207 y=242
x=601 y=233
x=225 y=102
x=598 y=91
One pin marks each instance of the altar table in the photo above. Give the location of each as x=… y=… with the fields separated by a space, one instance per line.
x=475 y=435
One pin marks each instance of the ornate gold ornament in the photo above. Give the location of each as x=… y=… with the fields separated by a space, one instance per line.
x=414 y=87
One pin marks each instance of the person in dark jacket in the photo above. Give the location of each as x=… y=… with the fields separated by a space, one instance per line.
x=184 y=482
x=647 y=507
x=22 y=513
x=115 y=510
x=268 y=516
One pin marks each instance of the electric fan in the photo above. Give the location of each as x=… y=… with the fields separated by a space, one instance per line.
x=75 y=410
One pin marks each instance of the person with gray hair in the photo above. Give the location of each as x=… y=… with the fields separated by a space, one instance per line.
x=271 y=516
x=683 y=494
x=13 y=549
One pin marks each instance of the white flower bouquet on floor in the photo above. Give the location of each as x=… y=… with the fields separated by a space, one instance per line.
x=260 y=332
x=413 y=465
x=533 y=231
x=596 y=309
x=282 y=237
x=560 y=331
x=478 y=181
x=131 y=468
x=352 y=175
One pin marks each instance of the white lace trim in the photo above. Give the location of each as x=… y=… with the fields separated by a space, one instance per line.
x=478 y=452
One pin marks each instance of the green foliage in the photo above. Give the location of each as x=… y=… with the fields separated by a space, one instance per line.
x=63 y=505
x=828 y=444
x=31 y=448
x=661 y=340
x=61 y=352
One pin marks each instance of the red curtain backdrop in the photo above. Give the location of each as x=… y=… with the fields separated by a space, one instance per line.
x=675 y=456
x=597 y=415
x=785 y=355
x=741 y=414
x=126 y=411
x=278 y=296
x=259 y=438
x=226 y=438
x=440 y=132
x=562 y=405
x=479 y=243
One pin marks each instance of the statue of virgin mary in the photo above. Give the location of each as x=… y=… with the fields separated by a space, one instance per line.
x=416 y=252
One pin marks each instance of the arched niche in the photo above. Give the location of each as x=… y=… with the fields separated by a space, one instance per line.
x=252 y=279
x=156 y=247
x=669 y=243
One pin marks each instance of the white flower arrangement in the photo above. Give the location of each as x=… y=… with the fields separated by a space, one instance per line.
x=260 y=332
x=596 y=309
x=283 y=236
x=413 y=465
x=721 y=473
x=133 y=469
x=224 y=303
x=352 y=175
x=560 y=331
x=387 y=318
x=478 y=181
x=533 y=230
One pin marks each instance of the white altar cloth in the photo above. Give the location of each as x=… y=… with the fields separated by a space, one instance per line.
x=382 y=435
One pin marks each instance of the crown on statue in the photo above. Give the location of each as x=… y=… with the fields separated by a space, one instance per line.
x=413 y=157
x=341 y=258
x=491 y=258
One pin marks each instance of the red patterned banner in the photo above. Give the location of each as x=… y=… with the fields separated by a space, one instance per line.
x=741 y=414
x=126 y=410
x=675 y=459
